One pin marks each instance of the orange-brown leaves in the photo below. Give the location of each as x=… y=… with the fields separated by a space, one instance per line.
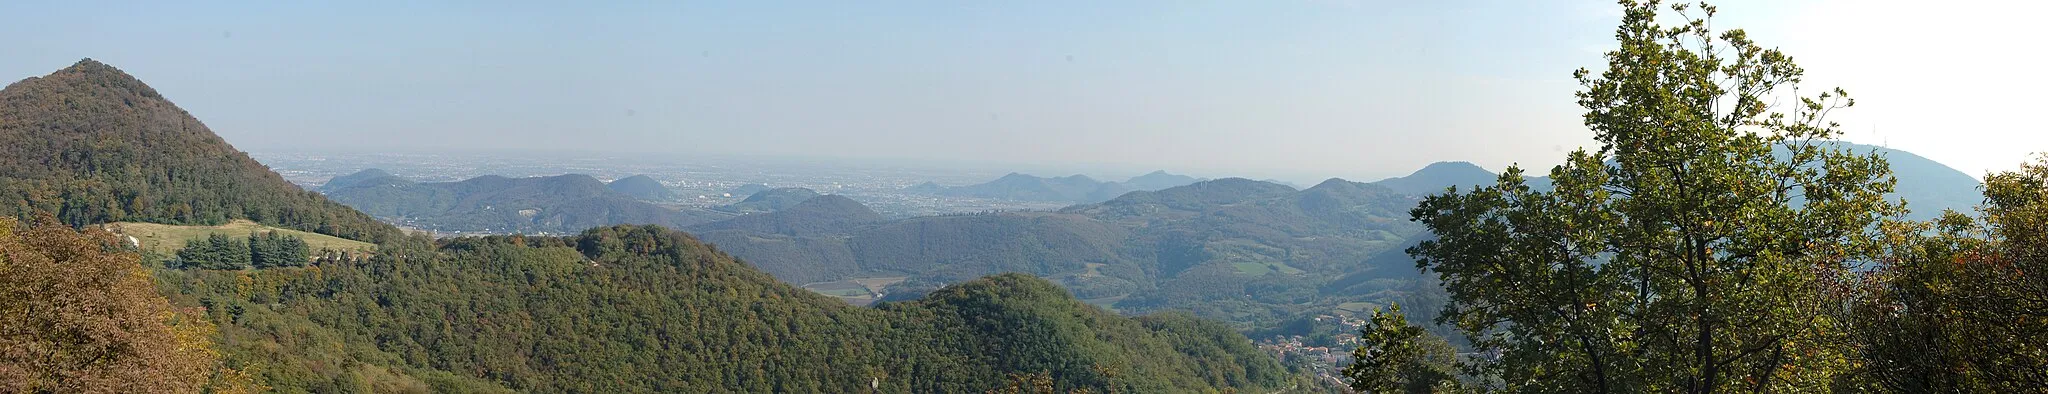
x=78 y=315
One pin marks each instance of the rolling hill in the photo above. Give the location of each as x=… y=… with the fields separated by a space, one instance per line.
x=642 y=187
x=826 y=214
x=770 y=200
x=1435 y=177
x=558 y=204
x=516 y=313
x=91 y=144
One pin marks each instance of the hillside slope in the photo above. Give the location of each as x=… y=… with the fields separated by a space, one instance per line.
x=644 y=309
x=94 y=145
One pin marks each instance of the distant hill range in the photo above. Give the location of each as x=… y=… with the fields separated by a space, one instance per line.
x=642 y=187
x=496 y=204
x=1928 y=187
x=1071 y=189
x=92 y=144
x=1231 y=249
x=1176 y=248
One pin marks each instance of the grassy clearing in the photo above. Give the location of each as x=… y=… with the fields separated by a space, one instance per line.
x=1106 y=303
x=1357 y=308
x=857 y=291
x=1257 y=269
x=875 y=285
x=842 y=288
x=167 y=238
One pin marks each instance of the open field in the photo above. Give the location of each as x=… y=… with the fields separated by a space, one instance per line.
x=1256 y=269
x=1357 y=308
x=840 y=289
x=858 y=291
x=167 y=238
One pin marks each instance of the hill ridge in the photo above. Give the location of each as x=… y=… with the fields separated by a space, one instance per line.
x=93 y=144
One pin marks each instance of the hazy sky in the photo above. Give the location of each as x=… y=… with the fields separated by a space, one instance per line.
x=1302 y=90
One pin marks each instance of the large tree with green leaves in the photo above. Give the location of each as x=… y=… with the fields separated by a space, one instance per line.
x=1699 y=249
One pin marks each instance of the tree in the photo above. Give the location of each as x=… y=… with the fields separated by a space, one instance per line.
x=1701 y=248
x=217 y=252
x=76 y=315
x=1966 y=309
x=269 y=249
x=1400 y=357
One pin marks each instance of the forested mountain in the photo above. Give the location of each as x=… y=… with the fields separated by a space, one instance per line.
x=1073 y=188
x=644 y=309
x=642 y=187
x=562 y=203
x=770 y=200
x=92 y=144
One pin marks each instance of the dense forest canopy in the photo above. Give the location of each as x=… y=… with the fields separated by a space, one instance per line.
x=645 y=309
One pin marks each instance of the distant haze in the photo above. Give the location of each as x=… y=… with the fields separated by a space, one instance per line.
x=1299 y=90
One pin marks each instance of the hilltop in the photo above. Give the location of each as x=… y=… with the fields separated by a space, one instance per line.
x=94 y=145
x=770 y=200
x=1435 y=177
x=642 y=187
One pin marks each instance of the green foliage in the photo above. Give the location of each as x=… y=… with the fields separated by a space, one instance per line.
x=1684 y=255
x=1963 y=309
x=217 y=252
x=1400 y=357
x=259 y=250
x=93 y=145
x=269 y=249
x=643 y=309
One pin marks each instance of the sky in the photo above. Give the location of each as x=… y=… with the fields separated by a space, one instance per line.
x=1297 y=90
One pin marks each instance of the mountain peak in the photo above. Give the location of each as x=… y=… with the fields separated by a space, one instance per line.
x=1159 y=180
x=89 y=65
x=92 y=109
x=1450 y=167
x=1435 y=177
